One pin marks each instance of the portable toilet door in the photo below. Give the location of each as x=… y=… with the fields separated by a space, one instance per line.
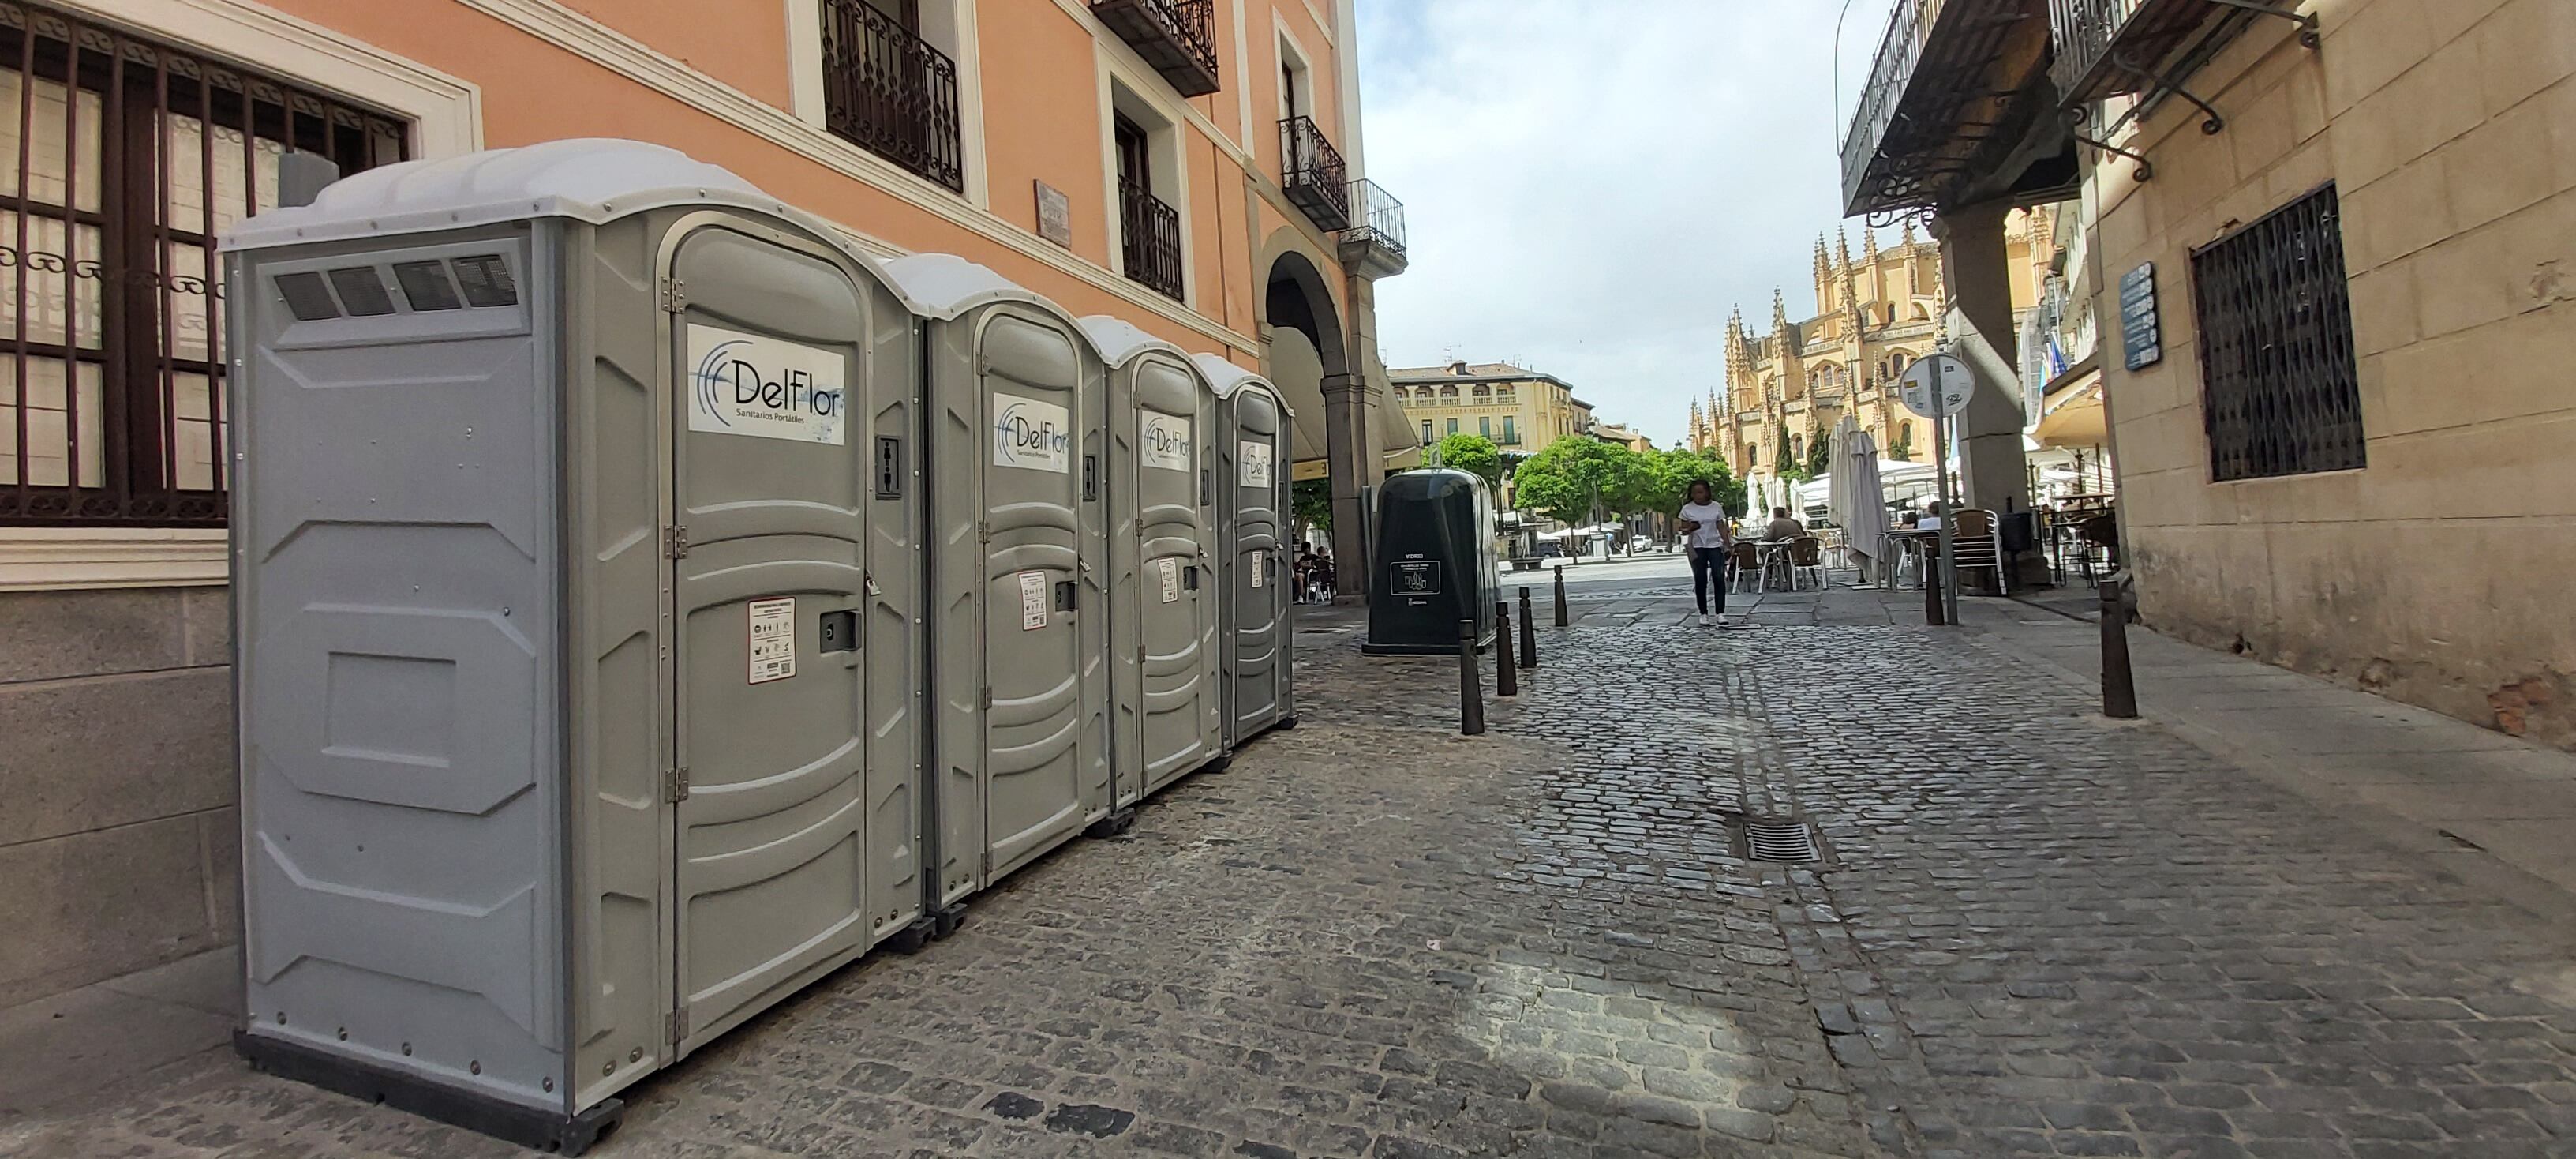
x=1254 y=453
x=572 y=728
x=1166 y=711
x=1015 y=403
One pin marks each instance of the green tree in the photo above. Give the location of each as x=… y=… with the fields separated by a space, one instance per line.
x=1791 y=464
x=1474 y=454
x=1677 y=469
x=1820 y=454
x=1577 y=474
x=1311 y=502
x=1901 y=447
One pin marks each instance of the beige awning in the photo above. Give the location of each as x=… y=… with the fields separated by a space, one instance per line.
x=1299 y=373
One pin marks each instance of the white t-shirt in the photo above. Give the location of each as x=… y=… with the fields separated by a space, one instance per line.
x=1928 y=523
x=1711 y=531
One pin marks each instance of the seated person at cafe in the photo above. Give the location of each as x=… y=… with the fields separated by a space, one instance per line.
x=1783 y=527
x=1931 y=520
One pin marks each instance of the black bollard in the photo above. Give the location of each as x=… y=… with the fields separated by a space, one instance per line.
x=1932 y=593
x=1529 y=638
x=1506 y=681
x=2119 y=686
x=1471 y=689
x=1560 y=595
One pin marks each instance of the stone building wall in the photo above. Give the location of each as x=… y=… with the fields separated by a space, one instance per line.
x=2427 y=575
x=117 y=830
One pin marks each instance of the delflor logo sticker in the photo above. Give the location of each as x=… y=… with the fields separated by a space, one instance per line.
x=1164 y=441
x=1031 y=434
x=769 y=388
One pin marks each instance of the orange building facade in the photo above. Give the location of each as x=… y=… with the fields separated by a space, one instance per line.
x=1191 y=166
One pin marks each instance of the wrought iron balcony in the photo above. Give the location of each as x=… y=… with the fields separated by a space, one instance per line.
x=2108 y=48
x=891 y=93
x=1957 y=88
x=1310 y=170
x=1177 y=37
x=1150 y=240
x=1375 y=241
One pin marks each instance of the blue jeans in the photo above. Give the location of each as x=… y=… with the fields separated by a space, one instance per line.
x=1708 y=563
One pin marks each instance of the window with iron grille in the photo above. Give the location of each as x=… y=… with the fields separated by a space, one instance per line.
x=889 y=91
x=121 y=160
x=2279 y=391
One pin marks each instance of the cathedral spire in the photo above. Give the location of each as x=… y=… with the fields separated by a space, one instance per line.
x=1842 y=247
x=1869 y=245
x=1779 y=312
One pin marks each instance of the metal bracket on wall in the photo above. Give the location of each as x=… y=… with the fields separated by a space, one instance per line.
x=2075 y=128
x=2211 y=124
x=2309 y=37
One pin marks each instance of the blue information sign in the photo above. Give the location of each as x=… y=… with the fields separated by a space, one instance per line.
x=2141 y=338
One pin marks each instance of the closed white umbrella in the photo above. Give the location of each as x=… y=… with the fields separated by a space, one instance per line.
x=1866 y=530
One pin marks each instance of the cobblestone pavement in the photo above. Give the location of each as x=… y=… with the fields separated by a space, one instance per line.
x=2030 y=933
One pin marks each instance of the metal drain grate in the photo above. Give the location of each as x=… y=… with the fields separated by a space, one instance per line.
x=1772 y=839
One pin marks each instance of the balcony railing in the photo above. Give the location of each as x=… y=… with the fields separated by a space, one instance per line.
x=1945 y=105
x=1177 y=37
x=1310 y=170
x=889 y=92
x=1150 y=240
x=2108 y=48
x=1380 y=217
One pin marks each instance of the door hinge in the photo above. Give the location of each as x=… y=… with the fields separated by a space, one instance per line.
x=675 y=542
x=674 y=295
x=675 y=1026
x=675 y=784
x=988 y=697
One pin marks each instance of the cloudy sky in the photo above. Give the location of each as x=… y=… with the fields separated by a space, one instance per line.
x=1590 y=185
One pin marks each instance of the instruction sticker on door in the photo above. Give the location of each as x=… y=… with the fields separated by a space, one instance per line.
x=1256 y=464
x=767 y=388
x=1165 y=440
x=1258 y=558
x=1033 y=435
x=773 y=639
x=1033 y=600
x=1171 y=572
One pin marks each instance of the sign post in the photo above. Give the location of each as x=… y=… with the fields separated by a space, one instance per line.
x=1936 y=388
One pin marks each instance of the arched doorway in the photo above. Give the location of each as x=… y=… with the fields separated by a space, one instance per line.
x=1314 y=365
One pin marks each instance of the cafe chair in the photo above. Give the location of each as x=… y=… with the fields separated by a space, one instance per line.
x=1744 y=566
x=1807 y=562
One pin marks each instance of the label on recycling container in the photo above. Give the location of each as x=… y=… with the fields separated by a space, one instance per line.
x=773 y=639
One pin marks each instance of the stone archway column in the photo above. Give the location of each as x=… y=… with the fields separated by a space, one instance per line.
x=1350 y=453
x=1976 y=264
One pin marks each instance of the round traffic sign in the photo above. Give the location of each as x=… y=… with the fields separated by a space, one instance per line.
x=1948 y=373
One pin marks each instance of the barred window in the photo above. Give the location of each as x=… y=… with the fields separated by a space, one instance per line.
x=2279 y=390
x=120 y=163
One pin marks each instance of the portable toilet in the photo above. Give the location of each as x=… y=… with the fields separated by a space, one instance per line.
x=1435 y=560
x=574 y=624
x=1019 y=560
x=1167 y=716
x=1253 y=449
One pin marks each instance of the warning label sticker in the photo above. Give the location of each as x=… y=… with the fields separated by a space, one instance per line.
x=1171 y=569
x=1258 y=558
x=1033 y=600
x=773 y=639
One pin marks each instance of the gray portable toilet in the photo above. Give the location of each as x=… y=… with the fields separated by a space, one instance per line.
x=1166 y=709
x=1015 y=403
x=1254 y=453
x=574 y=624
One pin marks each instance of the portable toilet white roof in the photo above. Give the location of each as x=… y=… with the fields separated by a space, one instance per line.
x=589 y=179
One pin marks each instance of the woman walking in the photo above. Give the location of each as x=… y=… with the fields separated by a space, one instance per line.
x=1704 y=531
